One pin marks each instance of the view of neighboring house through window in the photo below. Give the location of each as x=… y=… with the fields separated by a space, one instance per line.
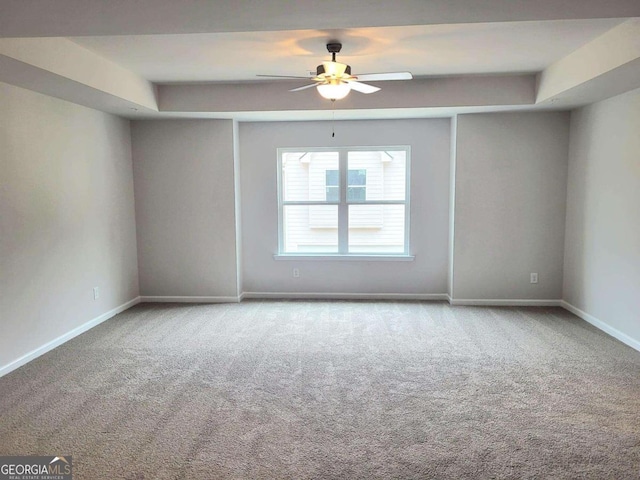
x=344 y=201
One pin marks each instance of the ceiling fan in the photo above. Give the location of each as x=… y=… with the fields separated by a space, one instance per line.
x=334 y=80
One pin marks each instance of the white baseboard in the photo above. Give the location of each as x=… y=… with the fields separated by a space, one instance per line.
x=188 y=299
x=500 y=302
x=605 y=327
x=32 y=355
x=344 y=296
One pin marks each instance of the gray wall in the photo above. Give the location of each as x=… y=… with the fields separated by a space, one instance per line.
x=602 y=250
x=185 y=207
x=511 y=174
x=430 y=144
x=66 y=218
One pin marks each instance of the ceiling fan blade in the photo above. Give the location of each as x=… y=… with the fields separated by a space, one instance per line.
x=303 y=88
x=362 y=87
x=284 y=76
x=378 y=77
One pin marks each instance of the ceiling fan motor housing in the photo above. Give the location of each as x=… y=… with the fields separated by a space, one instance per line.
x=321 y=71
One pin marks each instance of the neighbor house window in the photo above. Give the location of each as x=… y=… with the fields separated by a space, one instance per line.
x=332 y=185
x=344 y=201
x=356 y=185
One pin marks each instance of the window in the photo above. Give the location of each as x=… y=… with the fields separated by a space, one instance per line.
x=343 y=201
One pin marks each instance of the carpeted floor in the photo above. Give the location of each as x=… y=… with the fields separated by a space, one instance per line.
x=320 y=389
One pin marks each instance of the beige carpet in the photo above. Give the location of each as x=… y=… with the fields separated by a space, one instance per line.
x=332 y=390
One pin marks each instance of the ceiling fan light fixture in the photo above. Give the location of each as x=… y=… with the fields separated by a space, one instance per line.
x=334 y=90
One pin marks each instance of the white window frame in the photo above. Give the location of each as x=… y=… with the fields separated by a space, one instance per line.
x=343 y=205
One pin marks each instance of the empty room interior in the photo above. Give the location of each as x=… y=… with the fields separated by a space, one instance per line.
x=338 y=239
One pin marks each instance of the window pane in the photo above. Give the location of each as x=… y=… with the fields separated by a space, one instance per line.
x=332 y=178
x=333 y=194
x=357 y=193
x=357 y=177
x=310 y=228
x=383 y=173
x=304 y=175
x=376 y=228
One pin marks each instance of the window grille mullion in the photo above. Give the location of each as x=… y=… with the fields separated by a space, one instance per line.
x=343 y=209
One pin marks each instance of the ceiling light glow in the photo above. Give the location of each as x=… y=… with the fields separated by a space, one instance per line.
x=334 y=91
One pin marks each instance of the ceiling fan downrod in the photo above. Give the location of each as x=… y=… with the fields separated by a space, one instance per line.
x=333 y=48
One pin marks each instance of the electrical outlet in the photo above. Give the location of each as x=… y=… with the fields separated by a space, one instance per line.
x=96 y=293
x=296 y=273
x=534 y=278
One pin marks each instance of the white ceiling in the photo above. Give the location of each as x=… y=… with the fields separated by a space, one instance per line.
x=425 y=50
x=200 y=58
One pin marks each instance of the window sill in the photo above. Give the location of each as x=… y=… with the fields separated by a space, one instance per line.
x=345 y=258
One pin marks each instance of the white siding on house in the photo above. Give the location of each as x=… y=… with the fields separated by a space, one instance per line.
x=387 y=239
x=320 y=217
x=319 y=163
x=295 y=178
x=300 y=237
x=385 y=173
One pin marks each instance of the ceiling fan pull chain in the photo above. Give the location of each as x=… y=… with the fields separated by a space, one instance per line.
x=333 y=118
